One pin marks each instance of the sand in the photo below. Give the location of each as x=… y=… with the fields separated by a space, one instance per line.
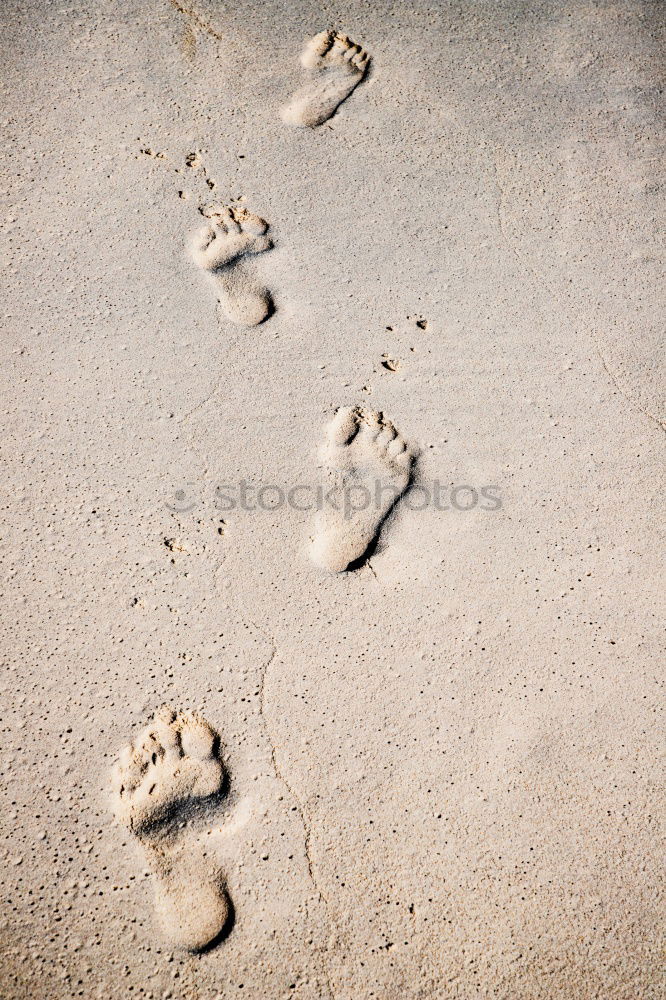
x=433 y=767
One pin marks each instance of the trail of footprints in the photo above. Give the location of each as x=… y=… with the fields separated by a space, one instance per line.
x=171 y=777
x=335 y=65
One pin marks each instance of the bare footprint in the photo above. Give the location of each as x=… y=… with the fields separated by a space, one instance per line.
x=219 y=248
x=338 y=65
x=160 y=782
x=370 y=465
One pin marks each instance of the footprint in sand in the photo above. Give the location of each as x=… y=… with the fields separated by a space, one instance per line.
x=370 y=466
x=338 y=65
x=170 y=775
x=219 y=249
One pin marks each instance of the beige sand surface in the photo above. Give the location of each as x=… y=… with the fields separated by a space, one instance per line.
x=444 y=773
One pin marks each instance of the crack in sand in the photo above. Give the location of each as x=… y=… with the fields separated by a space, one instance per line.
x=299 y=807
x=509 y=243
x=632 y=402
x=213 y=392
